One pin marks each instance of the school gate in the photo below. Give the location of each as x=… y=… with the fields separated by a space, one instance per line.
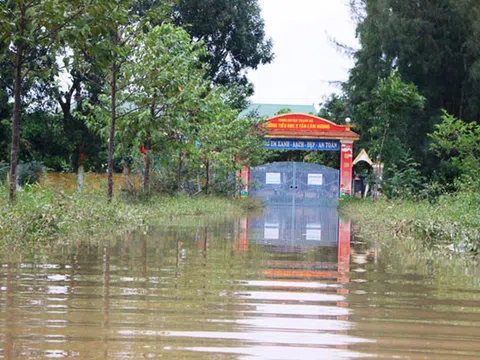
x=282 y=183
x=286 y=183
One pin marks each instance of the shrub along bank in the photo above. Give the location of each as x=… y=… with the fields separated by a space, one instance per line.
x=450 y=224
x=42 y=216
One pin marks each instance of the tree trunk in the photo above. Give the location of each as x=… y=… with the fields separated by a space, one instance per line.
x=207 y=176
x=147 y=163
x=68 y=124
x=111 y=144
x=128 y=182
x=384 y=139
x=68 y=128
x=17 y=107
x=147 y=158
x=179 y=171
x=80 y=178
x=76 y=159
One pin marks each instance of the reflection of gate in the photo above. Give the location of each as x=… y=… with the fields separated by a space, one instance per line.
x=297 y=183
x=290 y=228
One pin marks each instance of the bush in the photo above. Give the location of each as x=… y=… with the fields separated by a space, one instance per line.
x=455 y=142
x=30 y=173
x=404 y=181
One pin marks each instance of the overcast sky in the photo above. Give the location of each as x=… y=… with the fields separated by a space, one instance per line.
x=306 y=60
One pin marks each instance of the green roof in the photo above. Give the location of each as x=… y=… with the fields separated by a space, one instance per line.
x=270 y=110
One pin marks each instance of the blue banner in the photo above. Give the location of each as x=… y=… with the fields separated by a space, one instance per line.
x=302 y=144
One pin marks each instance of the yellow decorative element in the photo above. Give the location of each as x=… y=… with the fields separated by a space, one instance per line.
x=363 y=156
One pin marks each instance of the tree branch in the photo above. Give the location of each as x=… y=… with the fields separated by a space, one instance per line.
x=129 y=112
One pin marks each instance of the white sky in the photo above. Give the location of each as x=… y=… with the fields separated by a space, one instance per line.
x=306 y=60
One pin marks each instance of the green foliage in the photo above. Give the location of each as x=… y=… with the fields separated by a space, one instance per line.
x=153 y=105
x=456 y=143
x=406 y=34
x=233 y=32
x=36 y=29
x=224 y=136
x=335 y=108
x=5 y=120
x=432 y=44
x=98 y=44
x=403 y=181
x=187 y=125
x=161 y=100
x=392 y=100
x=32 y=34
x=284 y=111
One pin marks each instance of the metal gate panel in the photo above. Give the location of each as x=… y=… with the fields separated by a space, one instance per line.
x=286 y=183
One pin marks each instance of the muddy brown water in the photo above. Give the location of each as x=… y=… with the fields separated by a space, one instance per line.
x=283 y=285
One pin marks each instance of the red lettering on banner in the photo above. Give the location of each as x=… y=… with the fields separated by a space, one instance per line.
x=303 y=122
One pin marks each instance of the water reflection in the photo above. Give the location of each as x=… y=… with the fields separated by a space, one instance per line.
x=296 y=228
x=286 y=285
x=300 y=307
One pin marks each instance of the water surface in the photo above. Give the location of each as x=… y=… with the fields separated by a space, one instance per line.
x=288 y=284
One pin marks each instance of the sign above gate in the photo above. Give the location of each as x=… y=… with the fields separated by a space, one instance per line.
x=302 y=144
x=307 y=126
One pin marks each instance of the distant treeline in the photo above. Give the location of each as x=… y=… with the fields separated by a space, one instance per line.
x=414 y=91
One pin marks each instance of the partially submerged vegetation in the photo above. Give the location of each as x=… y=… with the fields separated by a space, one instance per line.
x=42 y=217
x=449 y=225
x=430 y=215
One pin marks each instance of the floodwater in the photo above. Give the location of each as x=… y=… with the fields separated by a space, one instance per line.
x=288 y=284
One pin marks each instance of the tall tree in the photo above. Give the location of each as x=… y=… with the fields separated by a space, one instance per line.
x=405 y=35
x=394 y=100
x=434 y=45
x=233 y=32
x=31 y=30
x=226 y=142
x=163 y=85
x=114 y=47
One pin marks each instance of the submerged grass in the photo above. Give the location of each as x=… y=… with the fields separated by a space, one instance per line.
x=43 y=216
x=451 y=224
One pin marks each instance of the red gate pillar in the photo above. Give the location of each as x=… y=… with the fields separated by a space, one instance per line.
x=244 y=176
x=246 y=180
x=346 y=166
